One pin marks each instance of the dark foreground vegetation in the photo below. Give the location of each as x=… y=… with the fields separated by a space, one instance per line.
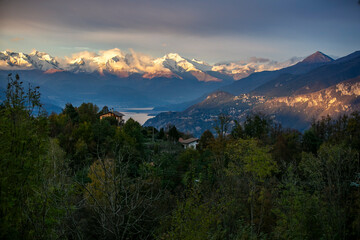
x=72 y=176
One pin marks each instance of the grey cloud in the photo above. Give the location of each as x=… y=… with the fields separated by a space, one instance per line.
x=259 y=60
x=200 y=17
x=189 y=25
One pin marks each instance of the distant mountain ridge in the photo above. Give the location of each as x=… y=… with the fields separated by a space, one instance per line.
x=317 y=57
x=330 y=73
x=256 y=80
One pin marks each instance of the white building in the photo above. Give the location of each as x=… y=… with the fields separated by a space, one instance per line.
x=189 y=143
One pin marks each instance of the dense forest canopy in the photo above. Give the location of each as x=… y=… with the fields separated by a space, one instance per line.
x=74 y=176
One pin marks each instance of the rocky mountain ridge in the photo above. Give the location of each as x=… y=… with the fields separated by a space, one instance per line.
x=259 y=79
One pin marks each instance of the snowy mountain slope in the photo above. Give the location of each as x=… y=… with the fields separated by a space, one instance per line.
x=176 y=63
x=242 y=69
x=35 y=60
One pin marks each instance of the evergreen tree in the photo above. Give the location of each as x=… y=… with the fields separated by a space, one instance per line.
x=173 y=134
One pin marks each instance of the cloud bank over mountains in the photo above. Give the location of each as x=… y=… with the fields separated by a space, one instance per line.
x=211 y=30
x=123 y=64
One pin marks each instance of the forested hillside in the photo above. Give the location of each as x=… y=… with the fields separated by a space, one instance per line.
x=73 y=176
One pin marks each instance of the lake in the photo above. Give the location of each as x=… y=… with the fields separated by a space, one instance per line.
x=140 y=115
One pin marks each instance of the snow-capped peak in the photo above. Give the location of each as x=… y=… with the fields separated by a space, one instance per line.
x=43 y=56
x=11 y=60
x=42 y=61
x=6 y=52
x=174 y=56
x=176 y=63
x=34 y=52
x=78 y=61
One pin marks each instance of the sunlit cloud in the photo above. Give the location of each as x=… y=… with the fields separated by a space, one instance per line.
x=17 y=39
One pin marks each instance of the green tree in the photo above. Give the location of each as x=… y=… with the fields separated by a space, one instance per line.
x=311 y=142
x=70 y=111
x=329 y=175
x=206 y=139
x=298 y=212
x=237 y=131
x=133 y=129
x=257 y=126
x=161 y=134
x=121 y=205
x=192 y=220
x=222 y=125
x=252 y=165
x=88 y=112
x=187 y=166
x=287 y=149
x=173 y=134
x=27 y=182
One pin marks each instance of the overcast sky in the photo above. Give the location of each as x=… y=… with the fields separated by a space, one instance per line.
x=205 y=29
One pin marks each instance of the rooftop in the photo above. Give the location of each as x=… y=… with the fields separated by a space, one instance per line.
x=187 y=141
x=116 y=113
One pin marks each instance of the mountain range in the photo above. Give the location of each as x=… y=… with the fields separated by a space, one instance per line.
x=292 y=93
x=293 y=96
x=122 y=64
x=120 y=79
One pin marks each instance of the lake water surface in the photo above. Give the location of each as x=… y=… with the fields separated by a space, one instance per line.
x=140 y=115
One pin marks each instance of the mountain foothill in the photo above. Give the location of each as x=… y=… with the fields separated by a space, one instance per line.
x=316 y=87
